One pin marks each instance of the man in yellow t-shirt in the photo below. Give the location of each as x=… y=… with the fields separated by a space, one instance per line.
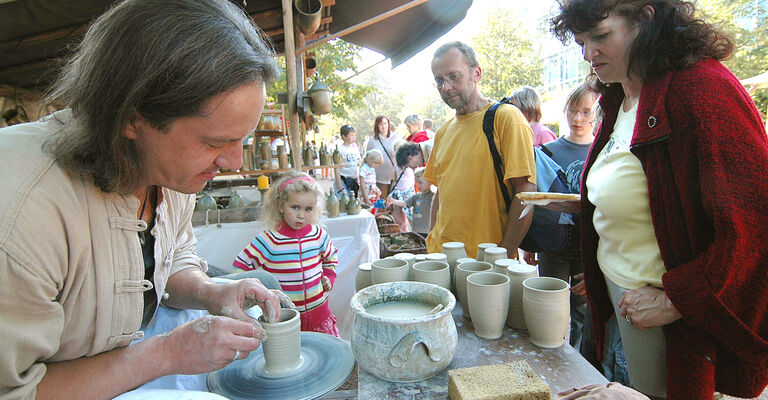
x=469 y=206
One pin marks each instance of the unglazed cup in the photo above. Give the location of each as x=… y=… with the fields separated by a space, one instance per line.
x=464 y=270
x=454 y=251
x=282 y=349
x=389 y=270
x=363 y=277
x=480 y=256
x=434 y=272
x=491 y=254
x=488 y=299
x=517 y=273
x=546 y=309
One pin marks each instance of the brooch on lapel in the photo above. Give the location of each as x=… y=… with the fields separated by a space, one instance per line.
x=651 y=121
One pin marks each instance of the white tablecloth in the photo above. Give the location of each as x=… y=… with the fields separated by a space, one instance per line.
x=355 y=236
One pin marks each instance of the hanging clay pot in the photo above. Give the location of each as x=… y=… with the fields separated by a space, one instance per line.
x=236 y=200
x=309 y=66
x=319 y=98
x=207 y=202
x=308 y=15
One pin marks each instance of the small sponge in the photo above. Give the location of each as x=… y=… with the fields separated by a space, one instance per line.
x=513 y=381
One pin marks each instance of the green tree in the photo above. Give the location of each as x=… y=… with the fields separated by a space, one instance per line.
x=748 y=26
x=336 y=61
x=506 y=54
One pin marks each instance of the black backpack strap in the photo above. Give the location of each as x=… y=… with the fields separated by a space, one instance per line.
x=488 y=119
x=546 y=150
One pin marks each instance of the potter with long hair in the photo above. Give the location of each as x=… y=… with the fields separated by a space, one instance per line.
x=673 y=222
x=296 y=250
x=96 y=217
x=384 y=140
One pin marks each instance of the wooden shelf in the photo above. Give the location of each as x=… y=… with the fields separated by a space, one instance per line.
x=272 y=171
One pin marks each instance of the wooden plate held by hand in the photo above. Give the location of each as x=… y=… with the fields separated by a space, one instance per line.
x=544 y=198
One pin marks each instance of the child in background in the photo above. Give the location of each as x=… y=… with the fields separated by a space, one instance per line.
x=346 y=176
x=420 y=204
x=369 y=191
x=296 y=250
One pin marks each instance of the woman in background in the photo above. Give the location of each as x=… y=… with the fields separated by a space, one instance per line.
x=384 y=140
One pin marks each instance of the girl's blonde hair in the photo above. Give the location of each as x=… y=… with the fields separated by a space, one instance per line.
x=286 y=184
x=373 y=156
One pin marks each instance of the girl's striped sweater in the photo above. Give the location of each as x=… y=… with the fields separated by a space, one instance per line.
x=297 y=258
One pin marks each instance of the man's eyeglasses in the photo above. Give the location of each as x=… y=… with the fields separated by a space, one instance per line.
x=450 y=78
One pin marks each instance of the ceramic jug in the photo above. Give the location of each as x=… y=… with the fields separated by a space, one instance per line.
x=323 y=155
x=332 y=205
x=343 y=201
x=337 y=157
x=353 y=206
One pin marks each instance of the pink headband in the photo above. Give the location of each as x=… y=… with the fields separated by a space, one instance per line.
x=294 y=179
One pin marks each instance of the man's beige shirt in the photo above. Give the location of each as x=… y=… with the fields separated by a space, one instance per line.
x=71 y=267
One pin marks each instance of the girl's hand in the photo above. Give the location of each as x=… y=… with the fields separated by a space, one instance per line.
x=648 y=307
x=327 y=285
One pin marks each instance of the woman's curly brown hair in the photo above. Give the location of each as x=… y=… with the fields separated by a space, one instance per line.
x=674 y=39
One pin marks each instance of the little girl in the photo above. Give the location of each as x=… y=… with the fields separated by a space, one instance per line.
x=296 y=250
x=369 y=191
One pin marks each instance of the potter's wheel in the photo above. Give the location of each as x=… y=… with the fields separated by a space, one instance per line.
x=326 y=362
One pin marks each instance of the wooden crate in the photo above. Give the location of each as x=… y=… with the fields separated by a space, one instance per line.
x=386 y=251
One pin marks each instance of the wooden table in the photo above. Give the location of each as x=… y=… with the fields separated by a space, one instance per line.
x=561 y=368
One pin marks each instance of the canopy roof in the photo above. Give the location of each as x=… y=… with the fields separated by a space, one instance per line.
x=35 y=34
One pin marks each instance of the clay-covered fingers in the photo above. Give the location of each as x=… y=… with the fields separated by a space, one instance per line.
x=611 y=391
x=285 y=301
x=575 y=393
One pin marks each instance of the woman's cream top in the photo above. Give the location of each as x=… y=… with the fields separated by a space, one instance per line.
x=628 y=252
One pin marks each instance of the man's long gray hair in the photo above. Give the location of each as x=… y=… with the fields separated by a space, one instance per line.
x=161 y=59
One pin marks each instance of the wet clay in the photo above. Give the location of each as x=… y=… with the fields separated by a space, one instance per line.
x=400 y=309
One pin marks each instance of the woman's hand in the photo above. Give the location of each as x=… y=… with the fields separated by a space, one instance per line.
x=209 y=343
x=231 y=299
x=648 y=307
x=611 y=391
x=577 y=285
x=530 y=258
x=327 y=285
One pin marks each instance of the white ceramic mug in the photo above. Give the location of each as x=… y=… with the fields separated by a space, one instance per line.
x=389 y=270
x=282 y=349
x=464 y=270
x=546 y=309
x=434 y=272
x=491 y=254
x=363 y=277
x=488 y=299
x=480 y=256
x=517 y=273
x=454 y=251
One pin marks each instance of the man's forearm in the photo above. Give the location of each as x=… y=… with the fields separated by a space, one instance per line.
x=105 y=375
x=516 y=228
x=187 y=289
x=433 y=211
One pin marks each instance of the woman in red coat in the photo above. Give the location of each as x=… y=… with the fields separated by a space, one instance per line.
x=673 y=199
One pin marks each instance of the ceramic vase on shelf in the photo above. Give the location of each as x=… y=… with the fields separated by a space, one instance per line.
x=363 y=277
x=464 y=270
x=453 y=251
x=282 y=349
x=488 y=299
x=434 y=272
x=389 y=270
x=282 y=157
x=481 y=250
x=491 y=254
x=517 y=273
x=546 y=309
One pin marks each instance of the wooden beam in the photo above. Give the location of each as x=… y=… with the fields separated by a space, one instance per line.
x=12 y=91
x=292 y=83
x=364 y=24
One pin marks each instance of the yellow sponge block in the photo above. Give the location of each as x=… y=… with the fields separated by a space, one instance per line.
x=513 y=381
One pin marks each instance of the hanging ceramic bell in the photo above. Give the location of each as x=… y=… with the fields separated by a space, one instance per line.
x=236 y=200
x=206 y=202
x=319 y=98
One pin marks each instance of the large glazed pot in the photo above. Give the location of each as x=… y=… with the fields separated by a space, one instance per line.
x=403 y=349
